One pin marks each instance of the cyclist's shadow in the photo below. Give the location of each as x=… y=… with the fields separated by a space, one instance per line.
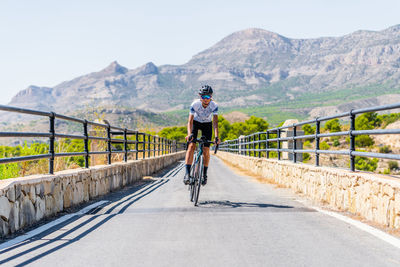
x=230 y=204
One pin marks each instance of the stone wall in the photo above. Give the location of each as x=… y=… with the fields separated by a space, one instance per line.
x=371 y=196
x=26 y=200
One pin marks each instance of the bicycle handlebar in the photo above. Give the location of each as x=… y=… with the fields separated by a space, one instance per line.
x=204 y=141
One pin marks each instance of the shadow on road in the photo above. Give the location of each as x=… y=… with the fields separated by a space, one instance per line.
x=118 y=204
x=229 y=204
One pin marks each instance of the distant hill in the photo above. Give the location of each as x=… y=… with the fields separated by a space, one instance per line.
x=255 y=71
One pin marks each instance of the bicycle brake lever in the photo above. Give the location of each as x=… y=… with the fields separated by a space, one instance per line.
x=216 y=148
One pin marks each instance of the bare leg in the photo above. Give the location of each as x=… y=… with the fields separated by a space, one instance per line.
x=206 y=151
x=189 y=154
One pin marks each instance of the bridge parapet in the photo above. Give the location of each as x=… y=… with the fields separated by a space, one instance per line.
x=371 y=196
x=27 y=200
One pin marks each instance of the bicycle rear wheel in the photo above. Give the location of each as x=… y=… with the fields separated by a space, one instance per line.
x=197 y=185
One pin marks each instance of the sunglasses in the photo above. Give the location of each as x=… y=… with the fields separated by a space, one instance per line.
x=205 y=97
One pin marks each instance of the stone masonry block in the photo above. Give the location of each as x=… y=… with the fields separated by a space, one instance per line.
x=11 y=194
x=5 y=208
x=27 y=212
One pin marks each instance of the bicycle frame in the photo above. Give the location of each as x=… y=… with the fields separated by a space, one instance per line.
x=196 y=171
x=199 y=153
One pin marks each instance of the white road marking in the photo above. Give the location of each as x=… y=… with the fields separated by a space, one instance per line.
x=362 y=226
x=49 y=225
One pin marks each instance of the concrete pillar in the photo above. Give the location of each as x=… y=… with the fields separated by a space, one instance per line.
x=289 y=144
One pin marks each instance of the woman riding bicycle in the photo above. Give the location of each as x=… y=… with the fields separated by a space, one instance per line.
x=202 y=112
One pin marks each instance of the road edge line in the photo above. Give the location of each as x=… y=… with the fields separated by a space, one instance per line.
x=364 y=227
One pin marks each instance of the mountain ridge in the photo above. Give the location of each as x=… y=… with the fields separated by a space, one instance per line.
x=251 y=67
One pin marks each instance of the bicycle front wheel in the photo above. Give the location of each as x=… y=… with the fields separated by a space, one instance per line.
x=191 y=184
x=199 y=175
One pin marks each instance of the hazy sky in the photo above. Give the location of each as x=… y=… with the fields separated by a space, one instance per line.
x=45 y=42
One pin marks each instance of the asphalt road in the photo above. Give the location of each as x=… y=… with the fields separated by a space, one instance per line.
x=239 y=222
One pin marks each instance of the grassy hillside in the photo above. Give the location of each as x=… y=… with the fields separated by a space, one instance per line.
x=298 y=107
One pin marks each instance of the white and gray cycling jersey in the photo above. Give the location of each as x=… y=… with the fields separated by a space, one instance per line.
x=202 y=114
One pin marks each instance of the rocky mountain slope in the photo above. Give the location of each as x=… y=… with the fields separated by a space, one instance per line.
x=249 y=68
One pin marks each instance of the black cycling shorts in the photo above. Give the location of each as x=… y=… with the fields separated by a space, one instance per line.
x=206 y=130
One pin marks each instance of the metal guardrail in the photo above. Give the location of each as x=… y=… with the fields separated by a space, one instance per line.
x=247 y=144
x=153 y=145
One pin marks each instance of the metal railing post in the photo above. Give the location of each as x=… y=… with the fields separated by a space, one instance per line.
x=51 y=143
x=294 y=144
x=144 y=145
x=158 y=146
x=317 y=132
x=254 y=145
x=137 y=145
x=248 y=145
x=125 y=146
x=86 y=143
x=267 y=144
x=153 y=138
x=245 y=145
x=259 y=145
x=109 y=143
x=278 y=135
x=352 y=140
x=242 y=141
x=149 y=146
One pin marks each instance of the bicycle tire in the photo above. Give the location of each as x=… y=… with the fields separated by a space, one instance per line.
x=198 y=180
x=191 y=184
x=195 y=181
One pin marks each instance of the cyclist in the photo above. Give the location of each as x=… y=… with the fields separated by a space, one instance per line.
x=202 y=112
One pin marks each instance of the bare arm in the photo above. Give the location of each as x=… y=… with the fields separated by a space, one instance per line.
x=215 y=125
x=189 y=126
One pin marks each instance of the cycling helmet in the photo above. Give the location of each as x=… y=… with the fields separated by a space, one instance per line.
x=205 y=90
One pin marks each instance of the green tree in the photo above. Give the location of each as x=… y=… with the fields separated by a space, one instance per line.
x=385 y=149
x=174 y=133
x=9 y=170
x=252 y=125
x=335 y=140
x=324 y=146
x=366 y=164
x=364 y=141
x=306 y=157
x=308 y=129
x=367 y=121
x=333 y=126
x=388 y=118
x=224 y=128
x=393 y=165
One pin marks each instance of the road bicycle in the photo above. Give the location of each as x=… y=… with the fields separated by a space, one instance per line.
x=196 y=171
